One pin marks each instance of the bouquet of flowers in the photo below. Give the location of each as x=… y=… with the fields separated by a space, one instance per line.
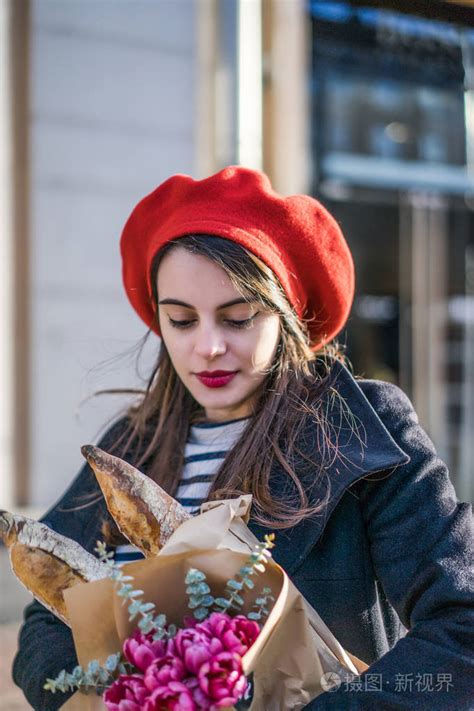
x=195 y=666
x=219 y=641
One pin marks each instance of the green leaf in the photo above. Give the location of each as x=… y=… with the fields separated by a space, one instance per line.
x=222 y=602
x=145 y=626
x=194 y=576
x=111 y=662
x=146 y=606
x=134 y=608
x=234 y=585
x=201 y=613
x=160 y=620
x=203 y=589
x=77 y=671
x=254 y=615
x=249 y=583
x=245 y=570
x=93 y=667
x=146 y=623
x=103 y=675
x=193 y=589
x=207 y=601
x=135 y=593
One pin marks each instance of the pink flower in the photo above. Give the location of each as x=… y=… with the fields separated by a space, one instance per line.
x=185 y=638
x=222 y=680
x=175 y=696
x=237 y=634
x=245 y=630
x=194 y=647
x=141 y=650
x=196 y=655
x=127 y=693
x=200 y=669
x=164 y=670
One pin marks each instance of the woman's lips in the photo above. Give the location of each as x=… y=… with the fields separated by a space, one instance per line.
x=216 y=381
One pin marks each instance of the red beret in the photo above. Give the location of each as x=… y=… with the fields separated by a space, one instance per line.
x=295 y=236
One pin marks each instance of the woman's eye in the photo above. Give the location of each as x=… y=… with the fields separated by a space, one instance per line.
x=246 y=323
x=179 y=324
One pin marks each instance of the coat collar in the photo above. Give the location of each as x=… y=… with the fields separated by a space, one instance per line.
x=364 y=445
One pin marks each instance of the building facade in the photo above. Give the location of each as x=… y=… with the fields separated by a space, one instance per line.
x=364 y=105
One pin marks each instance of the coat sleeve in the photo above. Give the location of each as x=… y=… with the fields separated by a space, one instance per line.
x=45 y=643
x=421 y=541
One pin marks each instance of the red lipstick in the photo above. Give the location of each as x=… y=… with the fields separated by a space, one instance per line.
x=216 y=378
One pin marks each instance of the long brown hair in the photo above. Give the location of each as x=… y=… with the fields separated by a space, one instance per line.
x=289 y=403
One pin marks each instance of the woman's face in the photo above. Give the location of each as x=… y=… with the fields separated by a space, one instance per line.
x=220 y=345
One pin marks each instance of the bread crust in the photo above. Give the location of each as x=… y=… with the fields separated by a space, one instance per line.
x=145 y=514
x=46 y=562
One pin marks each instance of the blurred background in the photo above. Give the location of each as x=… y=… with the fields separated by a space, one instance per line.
x=369 y=106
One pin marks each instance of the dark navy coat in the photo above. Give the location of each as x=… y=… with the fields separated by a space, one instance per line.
x=388 y=566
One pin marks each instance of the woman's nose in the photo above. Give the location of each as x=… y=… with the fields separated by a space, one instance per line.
x=210 y=342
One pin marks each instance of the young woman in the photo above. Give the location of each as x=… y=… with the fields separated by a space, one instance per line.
x=247 y=291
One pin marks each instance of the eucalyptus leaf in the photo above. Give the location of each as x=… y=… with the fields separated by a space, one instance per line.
x=193 y=589
x=112 y=662
x=201 y=613
x=254 y=616
x=235 y=585
x=193 y=575
x=222 y=602
x=207 y=601
x=146 y=606
x=135 y=593
x=245 y=570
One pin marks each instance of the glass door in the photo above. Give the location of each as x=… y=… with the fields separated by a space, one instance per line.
x=390 y=134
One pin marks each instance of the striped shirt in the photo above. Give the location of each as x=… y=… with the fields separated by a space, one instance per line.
x=206 y=447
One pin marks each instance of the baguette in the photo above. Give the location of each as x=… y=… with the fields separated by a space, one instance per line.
x=145 y=514
x=46 y=562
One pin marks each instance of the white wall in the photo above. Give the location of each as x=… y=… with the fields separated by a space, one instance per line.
x=6 y=265
x=113 y=98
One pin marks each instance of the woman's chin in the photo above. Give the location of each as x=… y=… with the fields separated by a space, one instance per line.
x=219 y=408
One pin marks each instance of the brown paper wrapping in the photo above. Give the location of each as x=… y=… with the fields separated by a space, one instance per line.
x=294 y=649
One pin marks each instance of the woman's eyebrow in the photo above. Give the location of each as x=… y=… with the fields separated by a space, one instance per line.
x=177 y=302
